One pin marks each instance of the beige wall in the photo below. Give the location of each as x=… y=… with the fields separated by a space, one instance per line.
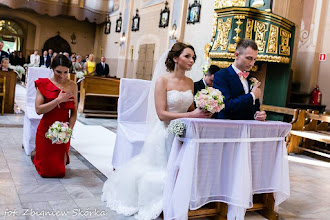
x=39 y=28
x=119 y=57
x=198 y=35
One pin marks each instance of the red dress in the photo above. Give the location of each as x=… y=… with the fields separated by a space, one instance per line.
x=49 y=158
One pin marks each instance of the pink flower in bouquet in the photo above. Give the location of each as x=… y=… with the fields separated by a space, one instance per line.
x=209 y=99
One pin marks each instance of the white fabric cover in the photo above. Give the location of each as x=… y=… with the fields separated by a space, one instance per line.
x=132 y=126
x=31 y=119
x=211 y=166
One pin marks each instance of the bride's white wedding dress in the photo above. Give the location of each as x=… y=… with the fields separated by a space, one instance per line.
x=136 y=188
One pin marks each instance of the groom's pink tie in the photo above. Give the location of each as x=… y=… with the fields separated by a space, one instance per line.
x=244 y=74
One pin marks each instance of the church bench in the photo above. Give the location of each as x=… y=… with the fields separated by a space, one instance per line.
x=310 y=133
x=99 y=96
x=281 y=110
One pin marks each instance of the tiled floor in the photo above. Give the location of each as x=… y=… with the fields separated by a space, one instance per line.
x=77 y=195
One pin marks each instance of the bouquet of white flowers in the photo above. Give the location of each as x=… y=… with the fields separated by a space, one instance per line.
x=176 y=127
x=209 y=99
x=80 y=74
x=18 y=69
x=59 y=133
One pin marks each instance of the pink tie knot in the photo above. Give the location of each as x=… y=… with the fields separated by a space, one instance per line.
x=244 y=74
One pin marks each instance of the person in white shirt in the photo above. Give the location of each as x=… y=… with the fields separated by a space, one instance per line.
x=35 y=59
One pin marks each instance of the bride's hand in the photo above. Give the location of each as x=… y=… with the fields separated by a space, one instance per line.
x=199 y=113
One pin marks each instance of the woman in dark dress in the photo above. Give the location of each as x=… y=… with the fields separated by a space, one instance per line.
x=56 y=98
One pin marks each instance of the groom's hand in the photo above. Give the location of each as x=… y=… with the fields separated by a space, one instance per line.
x=256 y=91
x=260 y=116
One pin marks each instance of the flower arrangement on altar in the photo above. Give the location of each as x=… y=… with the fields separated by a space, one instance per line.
x=209 y=99
x=59 y=133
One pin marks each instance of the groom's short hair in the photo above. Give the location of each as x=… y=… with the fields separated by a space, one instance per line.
x=245 y=43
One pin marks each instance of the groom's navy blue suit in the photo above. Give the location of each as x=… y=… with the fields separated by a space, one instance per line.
x=238 y=105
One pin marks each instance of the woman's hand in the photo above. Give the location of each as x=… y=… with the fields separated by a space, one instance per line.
x=199 y=113
x=65 y=96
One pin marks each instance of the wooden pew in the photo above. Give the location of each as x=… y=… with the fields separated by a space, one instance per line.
x=99 y=96
x=310 y=128
x=11 y=78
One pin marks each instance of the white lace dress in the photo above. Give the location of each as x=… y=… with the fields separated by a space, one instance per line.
x=136 y=188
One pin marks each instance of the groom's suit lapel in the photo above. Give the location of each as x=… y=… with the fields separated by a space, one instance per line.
x=235 y=80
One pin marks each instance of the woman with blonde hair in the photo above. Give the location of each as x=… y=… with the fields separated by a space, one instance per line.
x=90 y=65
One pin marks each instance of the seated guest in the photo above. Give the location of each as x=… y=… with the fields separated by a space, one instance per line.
x=35 y=59
x=45 y=60
x=241 y=94
x=90 y=66
x=102 y=69
x=207 y=80
x=5 y=64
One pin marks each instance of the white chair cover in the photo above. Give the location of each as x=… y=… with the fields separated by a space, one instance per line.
x=132 y=126
x=31 y=119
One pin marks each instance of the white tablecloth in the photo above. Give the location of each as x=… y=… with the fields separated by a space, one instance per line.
x=226 y=161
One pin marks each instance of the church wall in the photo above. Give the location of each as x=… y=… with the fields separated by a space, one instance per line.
x=323 y=74
x=198 y=35
x=123 y=59
x=43 y=27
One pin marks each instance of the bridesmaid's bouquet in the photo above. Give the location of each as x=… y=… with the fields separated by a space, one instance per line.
x=59 y=132
x=209 y=99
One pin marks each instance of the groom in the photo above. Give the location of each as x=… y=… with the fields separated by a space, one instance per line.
x=241 y=95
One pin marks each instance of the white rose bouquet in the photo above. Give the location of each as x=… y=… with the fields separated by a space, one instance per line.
x=209 y=99
x=176 y=127
x=59 y=133
x=80 y=74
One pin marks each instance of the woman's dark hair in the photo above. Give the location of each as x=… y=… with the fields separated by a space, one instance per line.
x=60 y=60
x=176 y=51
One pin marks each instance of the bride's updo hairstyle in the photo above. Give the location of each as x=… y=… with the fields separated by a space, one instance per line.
x=60 y=60
x=176 y=51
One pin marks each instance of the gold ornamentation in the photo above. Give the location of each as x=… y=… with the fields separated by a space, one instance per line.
x=232 y=47
x=249 y=28
x=254 y=68
x=267 y=58
x=272 y=40
x=228 y=3
x=260 y=29
x=221 y=64
x=237 y=29
x=214 y=29
x=223 y=32
x=207 y=48
x=284 y=47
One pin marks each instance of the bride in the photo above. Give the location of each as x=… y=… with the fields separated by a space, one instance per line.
x=136 y=188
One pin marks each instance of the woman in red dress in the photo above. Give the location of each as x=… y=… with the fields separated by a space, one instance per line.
x=56 y=98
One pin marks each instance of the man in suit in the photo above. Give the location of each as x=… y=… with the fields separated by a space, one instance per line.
x=241 y=95
x=102 y=69
x=207 y=80
x=3 y=54
x=45 y=59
